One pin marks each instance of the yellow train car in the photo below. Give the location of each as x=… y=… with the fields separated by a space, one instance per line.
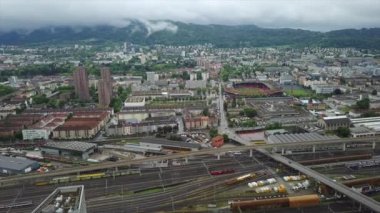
x=41 y=183
x=91 y=176
x=259 y=142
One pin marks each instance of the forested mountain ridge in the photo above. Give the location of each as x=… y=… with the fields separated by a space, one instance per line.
x=179 y=33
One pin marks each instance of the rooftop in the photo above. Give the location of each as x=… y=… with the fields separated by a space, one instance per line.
x=15 y=163
x=70 y=146
x=170 y=143
x=68 y=199
x=301 y=137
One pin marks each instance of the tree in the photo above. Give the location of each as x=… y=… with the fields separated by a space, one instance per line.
x=337 y=91
x=225 y=105
x=213 y=132
x=363 y=104
x=225 y=138
x=206 y=111
x=185 y=75
x=40 y=99
x=275 y=125
x=199 y=76
x=233 y=104
x=374 y=92
x=117 y=104
x=343 y=132
x=249 y=112
x=93 y=93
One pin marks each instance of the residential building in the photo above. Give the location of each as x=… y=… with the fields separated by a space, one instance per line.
x=152 y=77
x=199 y=122
x=80 y=79
x=146 y=127
x=195 y=84
x=81 y=125
x=323 y=88
x=105 y=87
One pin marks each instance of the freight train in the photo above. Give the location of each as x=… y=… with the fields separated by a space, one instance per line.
x=293 y=202
x=363 y=164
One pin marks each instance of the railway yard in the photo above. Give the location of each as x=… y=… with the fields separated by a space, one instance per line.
x=233 y=182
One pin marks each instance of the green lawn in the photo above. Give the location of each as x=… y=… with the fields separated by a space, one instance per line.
x=5 y=90
x=299 y=93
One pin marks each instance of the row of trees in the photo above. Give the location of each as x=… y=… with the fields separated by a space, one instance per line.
x=117 y=101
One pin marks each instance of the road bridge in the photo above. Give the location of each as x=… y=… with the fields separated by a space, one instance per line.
x=339 y=187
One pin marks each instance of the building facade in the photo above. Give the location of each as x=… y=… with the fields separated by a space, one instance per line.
x=80 y=79
x=105 y=87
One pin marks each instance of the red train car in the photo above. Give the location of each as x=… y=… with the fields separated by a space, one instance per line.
x=222 y=172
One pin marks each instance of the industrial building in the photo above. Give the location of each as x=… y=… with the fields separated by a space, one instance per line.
x=69 y=148
x=12 y=165
x=362 y=131
x=334 y=122
x=300 y=137
x=64 y=199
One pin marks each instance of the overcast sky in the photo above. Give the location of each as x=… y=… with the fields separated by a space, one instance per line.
x=320 y=15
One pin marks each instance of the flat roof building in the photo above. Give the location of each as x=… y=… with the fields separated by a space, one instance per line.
x=12 y=165
x=64 y=199
x=300 y=137
x=69 y=148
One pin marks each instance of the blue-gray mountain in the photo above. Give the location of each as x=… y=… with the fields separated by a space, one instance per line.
x=219 y=35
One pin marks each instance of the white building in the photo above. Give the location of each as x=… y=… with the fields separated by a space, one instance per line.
x=205 y=76
x=152 y=77
x=33 y=134
x=134 y=102
x=193 y=76
x=323 y=89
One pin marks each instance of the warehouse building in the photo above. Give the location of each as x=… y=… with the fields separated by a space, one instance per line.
x=11 y=165
x=69 y=148
x=300 y=137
